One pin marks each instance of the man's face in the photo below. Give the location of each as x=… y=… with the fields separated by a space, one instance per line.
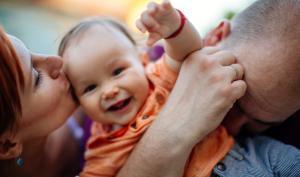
x=273 y=92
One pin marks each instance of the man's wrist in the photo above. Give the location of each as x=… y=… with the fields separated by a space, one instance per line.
x=168 y=139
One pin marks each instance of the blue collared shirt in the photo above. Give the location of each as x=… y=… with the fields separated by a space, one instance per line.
x=260 y=157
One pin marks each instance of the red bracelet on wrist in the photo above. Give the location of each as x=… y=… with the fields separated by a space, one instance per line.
x=182 y=22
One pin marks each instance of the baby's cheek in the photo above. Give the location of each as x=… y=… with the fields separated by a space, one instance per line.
x=90 y=105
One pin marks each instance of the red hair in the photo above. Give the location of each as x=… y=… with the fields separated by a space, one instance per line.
x=11 y=84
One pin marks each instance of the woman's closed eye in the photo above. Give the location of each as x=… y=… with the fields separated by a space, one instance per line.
x=89 y=88
x=118 y=71
x=38 y=78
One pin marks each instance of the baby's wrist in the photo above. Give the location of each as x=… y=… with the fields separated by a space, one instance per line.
x=177 y=31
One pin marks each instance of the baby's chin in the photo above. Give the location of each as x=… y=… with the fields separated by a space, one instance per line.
x=116 y=120
x=127 y=118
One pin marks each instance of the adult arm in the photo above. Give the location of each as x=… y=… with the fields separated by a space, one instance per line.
x=207 y=86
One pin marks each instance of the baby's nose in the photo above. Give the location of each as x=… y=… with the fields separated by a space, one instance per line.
x=111 y=93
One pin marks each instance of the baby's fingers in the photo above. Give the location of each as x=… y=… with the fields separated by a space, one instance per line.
x=167 y=5
x=149 y=22
x=152 y=8
x=140 y=26
x=153 y=37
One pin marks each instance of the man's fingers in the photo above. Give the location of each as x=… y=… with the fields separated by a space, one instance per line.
x=224 y=57
x=239 y=88
x=210 y=50
x=232 y=72
x=238 y=71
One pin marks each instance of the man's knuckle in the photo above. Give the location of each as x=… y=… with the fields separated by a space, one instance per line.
x=216 y=77
x=225 y=91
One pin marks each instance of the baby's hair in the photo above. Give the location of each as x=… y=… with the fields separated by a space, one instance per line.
x=265 y=19
x=86 y=24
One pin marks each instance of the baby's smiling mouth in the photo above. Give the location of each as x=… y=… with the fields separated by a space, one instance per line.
x=120 y=104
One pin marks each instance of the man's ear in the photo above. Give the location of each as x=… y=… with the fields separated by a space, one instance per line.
x=217 y=34
x=10 y=146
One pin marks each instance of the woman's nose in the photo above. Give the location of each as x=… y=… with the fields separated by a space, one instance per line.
x=54 y=66
x=50 y=64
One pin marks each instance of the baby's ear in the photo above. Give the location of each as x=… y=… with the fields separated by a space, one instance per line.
x=10 y=146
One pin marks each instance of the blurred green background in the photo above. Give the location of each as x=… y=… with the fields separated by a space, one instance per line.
x=37 y=26
x=40 y=24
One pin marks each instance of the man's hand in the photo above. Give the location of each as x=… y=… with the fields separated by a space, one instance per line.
x=208 y=85
x=159 y=20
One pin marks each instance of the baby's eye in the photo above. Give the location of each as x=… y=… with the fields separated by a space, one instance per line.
x=118 y=71
x=89 y=88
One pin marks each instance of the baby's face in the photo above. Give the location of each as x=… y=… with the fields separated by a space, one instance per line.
x=107 y=75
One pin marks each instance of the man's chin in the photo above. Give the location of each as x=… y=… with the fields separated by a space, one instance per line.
x=254 y=128
x=249 y=128
x=232 y=130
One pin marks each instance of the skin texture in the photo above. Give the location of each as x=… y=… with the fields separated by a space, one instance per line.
x=162 y=20
x=112 y=72
x=263 y=105
x=34 y=143
x=193 y=111
x=108 y=74
x=49 y=92
x=158 y=137
x=159 y=153
x=220 y=86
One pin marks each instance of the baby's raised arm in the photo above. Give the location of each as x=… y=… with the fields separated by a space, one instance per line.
x=163 y=21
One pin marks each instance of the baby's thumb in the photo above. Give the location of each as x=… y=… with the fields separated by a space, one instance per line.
x=153 y=37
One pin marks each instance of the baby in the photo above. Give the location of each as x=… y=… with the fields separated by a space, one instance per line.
x=123 y=92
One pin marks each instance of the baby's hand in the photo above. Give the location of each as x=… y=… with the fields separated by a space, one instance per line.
x=160 y=20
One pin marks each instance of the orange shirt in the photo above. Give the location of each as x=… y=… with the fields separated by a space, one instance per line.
x=107 y=151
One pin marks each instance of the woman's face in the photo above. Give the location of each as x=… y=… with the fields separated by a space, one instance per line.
x=46 y=100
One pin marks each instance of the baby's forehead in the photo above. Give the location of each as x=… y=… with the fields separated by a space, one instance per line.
x=110 y=30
